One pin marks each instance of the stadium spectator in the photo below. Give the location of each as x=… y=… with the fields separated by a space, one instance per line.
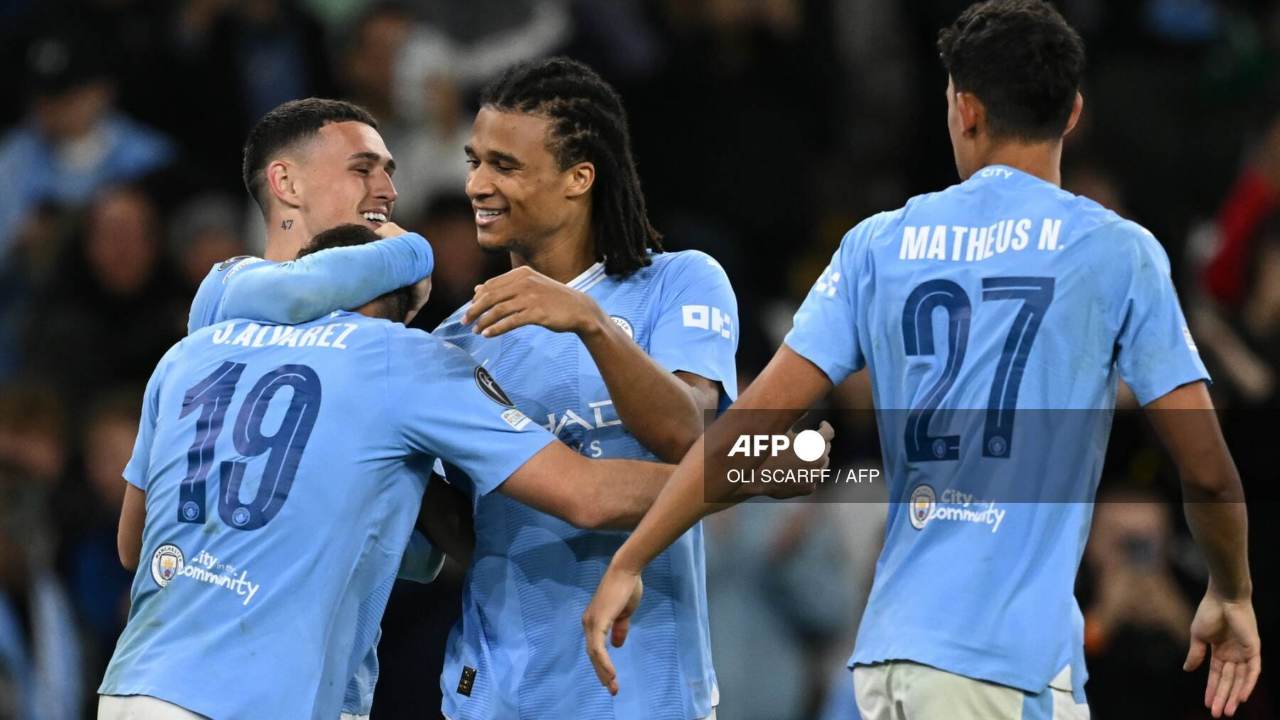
x=204 y=231
x=764 y=565
x=99 y=585
x=40 y=665
x=1136 y=625
x=426 y=132
x=72 y=142
x=115 y=307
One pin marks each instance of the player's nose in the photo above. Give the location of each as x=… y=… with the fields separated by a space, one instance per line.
x=479 y=184
x=385 y=189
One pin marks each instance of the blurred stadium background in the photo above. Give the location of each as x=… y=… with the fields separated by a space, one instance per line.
x=763 y=129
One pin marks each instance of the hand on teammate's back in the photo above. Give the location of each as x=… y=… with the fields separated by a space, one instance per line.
x=1228 y=630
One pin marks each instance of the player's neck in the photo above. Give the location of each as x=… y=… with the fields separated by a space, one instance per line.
x=1043 y=160
x=562 y=257
x=285 y=237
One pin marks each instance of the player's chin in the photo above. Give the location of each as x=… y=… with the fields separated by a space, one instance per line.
x=489 y=239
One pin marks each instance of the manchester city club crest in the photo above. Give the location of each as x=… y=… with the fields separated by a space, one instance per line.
x=921 y=506
x=624 y=324
x=166 y=563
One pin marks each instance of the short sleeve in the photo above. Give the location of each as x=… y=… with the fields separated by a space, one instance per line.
x=135 y=473
x=1155 y=352
x=825 y=329
x=696 y=330
x=449 y=407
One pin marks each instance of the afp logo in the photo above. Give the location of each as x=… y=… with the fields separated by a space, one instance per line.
x=920 y=508
x=808 y=445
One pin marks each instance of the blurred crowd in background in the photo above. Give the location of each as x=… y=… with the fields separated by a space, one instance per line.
x=763 y=130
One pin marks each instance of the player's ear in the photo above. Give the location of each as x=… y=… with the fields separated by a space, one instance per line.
x=972 y=113
x=1077 y=108
x=580 y=179
x=282 y=183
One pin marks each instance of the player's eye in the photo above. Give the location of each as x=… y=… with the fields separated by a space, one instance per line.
x=361 y=170
x=473 y=163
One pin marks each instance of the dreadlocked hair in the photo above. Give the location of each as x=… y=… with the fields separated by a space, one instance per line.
x=588 y=124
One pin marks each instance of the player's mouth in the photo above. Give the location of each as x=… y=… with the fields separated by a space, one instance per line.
x=488 y=216
x=376 y=219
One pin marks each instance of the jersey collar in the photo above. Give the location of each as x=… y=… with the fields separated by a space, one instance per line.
x=588 y=277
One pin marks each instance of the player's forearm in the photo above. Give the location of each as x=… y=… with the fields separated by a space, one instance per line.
x=1213 y=496
x=654 y=405
x=1221 y=529
x=621 y=491
x=334 y=279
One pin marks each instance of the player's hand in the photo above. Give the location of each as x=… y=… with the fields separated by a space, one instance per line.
x=389 y=229
x=610 y=611
x=419 y=292
x=524 y=296
x=792 y=462
x=1229 y=631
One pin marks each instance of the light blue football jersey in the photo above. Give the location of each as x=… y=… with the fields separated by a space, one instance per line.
x=995 y=317
x=519 y=642
x=283 y=468
x=302 y=290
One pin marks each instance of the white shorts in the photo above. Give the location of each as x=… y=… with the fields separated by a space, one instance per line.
x=909 y=691
x=141 y=707
x=349 y=716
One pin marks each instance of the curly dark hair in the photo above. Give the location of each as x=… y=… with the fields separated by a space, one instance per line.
x=287 y=124
x=588 y=124
x=1022 y=60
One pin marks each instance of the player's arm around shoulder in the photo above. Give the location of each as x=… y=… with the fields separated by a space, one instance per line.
x=337 y=278
x=588 y=494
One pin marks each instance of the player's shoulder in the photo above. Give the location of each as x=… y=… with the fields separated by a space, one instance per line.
x=451 y=329
x=419 y=346
x=1105 y=232
x=686 y=266
x=228 y=268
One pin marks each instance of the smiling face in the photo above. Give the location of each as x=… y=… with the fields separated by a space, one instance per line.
x=520 y=195
x=345 y=177
x=340 y=175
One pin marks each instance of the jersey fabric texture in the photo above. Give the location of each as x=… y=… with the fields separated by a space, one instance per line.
x=996 y=317
x=517 y=651
x=283 y=468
